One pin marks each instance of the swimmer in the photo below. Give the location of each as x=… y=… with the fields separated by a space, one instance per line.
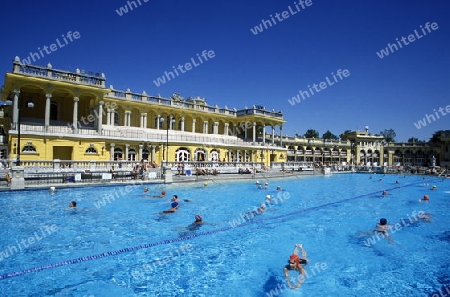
x=72 y=204
x=425 y=199
x=163 y=195
x=382 y=228
x=174 y=207
x=296 y=263
x=257 y=182
x=175 y=199
x=265 y=186
x=384 y=193
x=397 y=182
x=279 y=188
x=268 y=198
x=434 y=187
x=145 y=190
x=261 y=208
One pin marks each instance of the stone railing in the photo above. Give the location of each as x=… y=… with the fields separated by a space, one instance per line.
x=48 y=72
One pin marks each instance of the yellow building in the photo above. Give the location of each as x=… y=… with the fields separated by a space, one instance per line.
x=76 y=117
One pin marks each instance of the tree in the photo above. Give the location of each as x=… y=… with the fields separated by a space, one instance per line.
x=311 y=133
x=329 y=135
x=415 y=140
x=436 y=136
x=345 y=132
x=389 y=135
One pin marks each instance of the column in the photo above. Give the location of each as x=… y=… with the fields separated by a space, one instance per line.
x=15 y=108
x=245 y=130
x=273 y=135
x=113 y=116
x=153 y=153
x=245 y=155
x=75 y=114
x=127 y=118
x=127 y=146
x=264 y=134
x=111 y=151
x=229 y=155
x=144 y=115
x=157 y=122
x=205 y=127
x=139 y=158
x=281 y=136
x=193 y=125
x=100 y=116
x=254 y=132
x=225 y=128
x=108 y=117
x=47 y=111
x=141 y=121
x=216 y=128
x=182 y=124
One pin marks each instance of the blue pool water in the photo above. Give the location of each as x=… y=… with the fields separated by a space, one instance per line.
x=48 y=249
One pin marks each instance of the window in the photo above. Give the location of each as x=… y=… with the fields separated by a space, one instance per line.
x=91 y=150
x=29 y=149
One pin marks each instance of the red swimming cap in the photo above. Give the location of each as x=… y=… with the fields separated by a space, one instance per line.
x=426 y=197
x=163 y=193
x=294 y=258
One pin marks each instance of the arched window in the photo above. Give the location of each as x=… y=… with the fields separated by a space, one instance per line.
x=91 y=150
x=29 y=148
x=182 y=154
x=118 y=154
x=215 y=156
x=145 y=154
x=131 y=155
x=200 y=155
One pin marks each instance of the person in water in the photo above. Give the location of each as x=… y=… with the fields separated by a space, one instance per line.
x=382 y=228
x=163 y=195
x=72 y=204
x=176 y=199
x=174 y=207
x=425 y=199
x=296 y=263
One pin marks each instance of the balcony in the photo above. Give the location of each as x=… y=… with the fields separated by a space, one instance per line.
x=48 y=72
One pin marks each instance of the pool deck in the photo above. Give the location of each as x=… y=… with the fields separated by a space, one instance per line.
x=261 y=176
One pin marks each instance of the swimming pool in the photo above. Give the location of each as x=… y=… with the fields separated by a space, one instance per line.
x=48 y=249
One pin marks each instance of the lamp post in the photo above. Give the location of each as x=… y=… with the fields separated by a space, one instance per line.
x=161 y=120
x=29 y=105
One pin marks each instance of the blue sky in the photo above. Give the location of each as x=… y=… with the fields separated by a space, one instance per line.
x=266 y=69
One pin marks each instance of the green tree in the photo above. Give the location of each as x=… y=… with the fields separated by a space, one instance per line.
x=415 y=140
x=329 y=135
x=436 y=137
x=311 y=133
x=345 y=132
x=389 y=135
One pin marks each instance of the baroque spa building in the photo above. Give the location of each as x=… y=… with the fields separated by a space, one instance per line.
x=76 y=117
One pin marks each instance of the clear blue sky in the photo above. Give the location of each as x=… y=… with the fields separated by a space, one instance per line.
x=266 y=69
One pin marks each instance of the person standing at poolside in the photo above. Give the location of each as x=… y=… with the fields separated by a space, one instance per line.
x=296 y=263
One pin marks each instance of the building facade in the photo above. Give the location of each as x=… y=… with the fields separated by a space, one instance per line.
x=76 y=117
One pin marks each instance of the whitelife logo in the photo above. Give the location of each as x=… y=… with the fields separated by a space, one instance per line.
x=53 y=47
